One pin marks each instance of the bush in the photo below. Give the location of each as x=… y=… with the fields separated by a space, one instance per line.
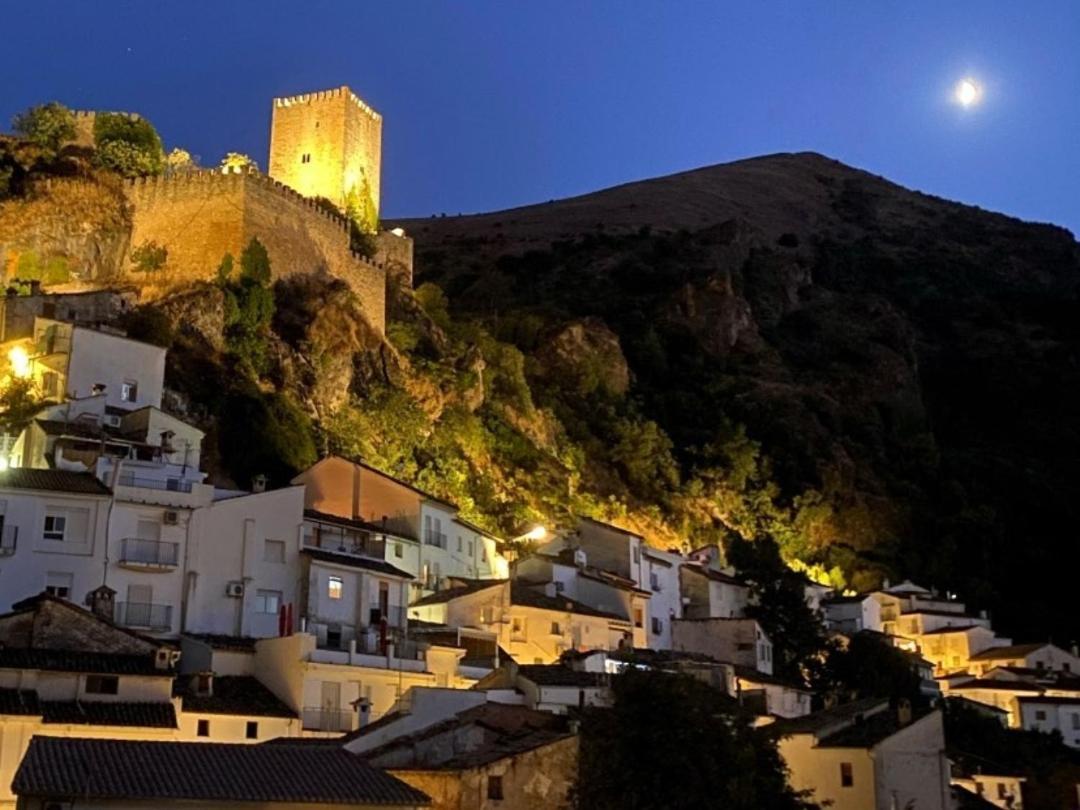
x=48 y=126
x=128 y=145
x=149 y=325
x=237 y=163
x=149 y=257
x=265 y=434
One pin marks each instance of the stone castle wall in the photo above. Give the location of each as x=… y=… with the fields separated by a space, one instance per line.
x=201 y=216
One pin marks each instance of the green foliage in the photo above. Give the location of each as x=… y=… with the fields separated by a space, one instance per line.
x=778 y=599
x=127 y=145
x=360 y=207
x=150 y=325
x=19 y=402
x=704 y=753
x=264 y=434
x=47 y=126
x=361 y=241
x=48 y=270
x=149 y=257
x=249 y=307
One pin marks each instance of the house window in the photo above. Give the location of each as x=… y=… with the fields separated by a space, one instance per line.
x=334 y=587
x=847 y=776
x=1076 y=720
x=1040 y=714
x=517 y=626
x=58 y=584
x=102 y=684
x=657 y=626
x=495 y=788
x=556 y=630
x=50 y=384
x=202 y=728
x=639 y=618
x=267 y=601
x=398 y=550
x=487 y=615
x=460 y=544
x=637 y=553
x=306 y=157
x=1002 y=793
x=471 y=549
x=559 y=586
x=252 y=731
x=483 y=553
x=55 y=526
x=274 y=551
x=129 y=391
x=654 y=581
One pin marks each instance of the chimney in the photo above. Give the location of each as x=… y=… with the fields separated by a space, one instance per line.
x=363 y=712
x=102 y=602
x=258 y=483
x=35 y=287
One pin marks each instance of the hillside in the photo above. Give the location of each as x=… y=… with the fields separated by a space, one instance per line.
x=888 y=380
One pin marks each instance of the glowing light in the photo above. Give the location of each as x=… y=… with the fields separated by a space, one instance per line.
x=20 y=362
x=3 y=463
x=397 y=231
x=968 y=93
x=536 y=533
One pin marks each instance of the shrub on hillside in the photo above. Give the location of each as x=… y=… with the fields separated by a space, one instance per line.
x=128 y=145
x=47 y=126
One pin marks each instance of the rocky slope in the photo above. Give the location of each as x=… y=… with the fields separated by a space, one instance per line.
x=905 y=368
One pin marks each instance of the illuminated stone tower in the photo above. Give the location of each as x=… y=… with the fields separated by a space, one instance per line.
x=329 y=144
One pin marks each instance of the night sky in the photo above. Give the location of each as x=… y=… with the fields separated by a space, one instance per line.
x=494 y=104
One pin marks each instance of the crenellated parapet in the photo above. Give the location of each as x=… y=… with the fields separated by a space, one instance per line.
x=328 y=95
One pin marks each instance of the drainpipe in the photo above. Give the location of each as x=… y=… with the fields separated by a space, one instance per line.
x=113 y=478
x=189 y=576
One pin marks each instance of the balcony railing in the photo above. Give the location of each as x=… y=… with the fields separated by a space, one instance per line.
x=337 y=720
x=168 y=485
x=362 y=544
x=144 y=615
x=394 y=615
x=149 y=553
x=9 y=539
x=438 y=539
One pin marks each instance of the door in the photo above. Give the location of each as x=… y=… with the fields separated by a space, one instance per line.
x=331 y=706
x=139 y=606
x=384 y=601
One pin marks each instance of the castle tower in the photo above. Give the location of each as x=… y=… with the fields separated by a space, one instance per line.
x=329 y=144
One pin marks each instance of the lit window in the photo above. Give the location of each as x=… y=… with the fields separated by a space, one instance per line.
x=274 y=551
x=334 y=587
x=267 y=601
x=252 y=732
x=102 y=684
x=54 y=527
x=203 y=729
x=847 y=776
x=129 y=391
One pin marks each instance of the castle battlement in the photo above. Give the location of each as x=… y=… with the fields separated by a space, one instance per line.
x=326 y=95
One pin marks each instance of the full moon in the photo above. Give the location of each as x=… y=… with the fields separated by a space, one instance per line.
x=967 y=93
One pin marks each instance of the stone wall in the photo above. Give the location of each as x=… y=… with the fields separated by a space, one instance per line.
x=201 y=216
x=89 y=308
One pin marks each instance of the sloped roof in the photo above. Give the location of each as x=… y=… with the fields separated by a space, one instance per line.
x=838 y=716
x=19 y=702
x=472 y=586
x=356 y=561
x=558 y=675
x=714 y=575
x=868 y=733
x=220 y=641
x=109 y=713
x=243 y=695
x=1012 y=651
x=527 y=597
x=78 y=661
x=215 y=772
x=52 y=481
x=988 y=683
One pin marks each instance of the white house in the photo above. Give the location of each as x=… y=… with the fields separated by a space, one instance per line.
x=851 y=614
x=1039 y=656
x=662 y=570
x=731 y=641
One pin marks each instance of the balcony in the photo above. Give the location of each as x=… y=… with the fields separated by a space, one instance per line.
x=437 y=539
x=396 y=616
x=332 y=720
x=354 y=542
x=9 y=539
x=166 y=485
x=144 y=616
x=135 y=552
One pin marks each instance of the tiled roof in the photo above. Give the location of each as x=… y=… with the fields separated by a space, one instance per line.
x=215 y=772
x=959 y=628
x=987 y=683
x=837 y=717
x=355 y=561
x=715 y=576
x=869 y=732
x=472 y=586
x=109 y=713
x=52 y=481
x=77 y=661
x=220 y=641
x=558 y=675
x=240 y=695
x=527 y=597
x=19 y=702
x=1013 y=651
x=755 y=676
x=1051 y=699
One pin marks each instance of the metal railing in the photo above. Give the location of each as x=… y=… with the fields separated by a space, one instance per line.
x=434 y=538
x=144 y=615
x=359 y=543
x=138 y=551
x=319 y=719
x=168 y=485
x=395 y=616
x=9 y=539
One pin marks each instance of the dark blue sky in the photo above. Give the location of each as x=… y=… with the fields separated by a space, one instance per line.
x=497 y=103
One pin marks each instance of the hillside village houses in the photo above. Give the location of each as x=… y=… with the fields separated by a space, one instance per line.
x=144 y=608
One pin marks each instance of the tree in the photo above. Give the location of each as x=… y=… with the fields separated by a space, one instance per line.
x=48 y=126
x=237 y=163
x=149 y=256
x=179 y=161
x=19 y=402
x=672 y=741
x=249 y=306
x=778 y=598
x=128 y=145
x=867 y=667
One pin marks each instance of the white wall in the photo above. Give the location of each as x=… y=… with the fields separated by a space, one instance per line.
x=97 y=357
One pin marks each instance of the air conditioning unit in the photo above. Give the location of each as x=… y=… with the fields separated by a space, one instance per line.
x=234 y=590
x=111 y=419
x=171 y=517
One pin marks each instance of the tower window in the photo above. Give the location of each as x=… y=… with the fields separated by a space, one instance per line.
x=306 y=157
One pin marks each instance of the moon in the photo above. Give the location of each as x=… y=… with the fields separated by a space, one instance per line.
x=968 y=93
